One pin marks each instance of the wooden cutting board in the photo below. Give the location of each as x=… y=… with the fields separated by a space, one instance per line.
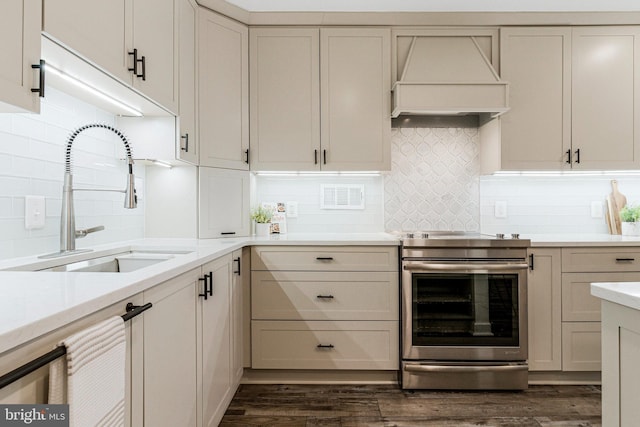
x=618 y=197
x=618 y=201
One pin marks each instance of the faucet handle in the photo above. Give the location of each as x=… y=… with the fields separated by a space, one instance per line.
x=83 y=233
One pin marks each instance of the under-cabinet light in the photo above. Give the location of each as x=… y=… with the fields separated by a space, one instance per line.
x=161 y=163
x=90 y=89
x=318 y=174
x=543 y=173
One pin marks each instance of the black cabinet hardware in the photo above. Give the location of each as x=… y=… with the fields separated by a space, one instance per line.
x=625 y=259
x=239 y=268
x=325 y=296
x=246 y=153
x=134 y=53
x=134 y=310
x=578 y=155
x=186 y=142
x=143 y=61
x=39 y=89
x=531 y=262
x=568 y=153
x=205 y=288
x=324 y=258
x=324 y=346
x=227 y=233
x=315 y=157
x=324 y=157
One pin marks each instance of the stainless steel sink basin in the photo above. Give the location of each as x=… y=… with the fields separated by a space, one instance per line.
x=122 y=262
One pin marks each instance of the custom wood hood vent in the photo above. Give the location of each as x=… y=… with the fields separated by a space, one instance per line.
x=447 y=75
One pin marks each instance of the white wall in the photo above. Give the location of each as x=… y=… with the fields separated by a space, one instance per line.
x=32 y=163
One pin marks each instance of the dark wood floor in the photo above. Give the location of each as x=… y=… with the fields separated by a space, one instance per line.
x=387 y=405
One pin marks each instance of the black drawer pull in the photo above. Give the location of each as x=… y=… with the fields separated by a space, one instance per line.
x=227 y=233
x=325 y=296
x=625 y=259
x=531 y=262
x=324 y=258
x=324 y=346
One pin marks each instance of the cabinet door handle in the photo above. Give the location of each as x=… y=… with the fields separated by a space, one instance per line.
x=239 y=269
x=315 y=157
x=625 y=259
x=324 y=346
x=324 y=258
x=143 y=60
x=246 y=152
x=531 y=262
x=211 y=283
x=204 y=293
x=568 y=153
x=324 y=157
x=39 y=89
x=578 y=155
x=186 y=142
x=325 y=296
x=227 y=233
x=134 y=53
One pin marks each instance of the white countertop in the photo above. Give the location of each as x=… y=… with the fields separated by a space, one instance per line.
x=546 y=240
x=623 y=293
x=34 y=303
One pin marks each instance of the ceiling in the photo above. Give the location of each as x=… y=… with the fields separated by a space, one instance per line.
x=437 y=5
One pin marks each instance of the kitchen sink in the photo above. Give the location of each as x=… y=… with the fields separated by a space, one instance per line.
x=122 y=262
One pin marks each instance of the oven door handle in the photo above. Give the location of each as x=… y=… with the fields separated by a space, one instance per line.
x=458 y=369
x=462 y=266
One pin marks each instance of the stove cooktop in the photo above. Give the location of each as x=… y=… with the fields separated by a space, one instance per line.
x=461 y=239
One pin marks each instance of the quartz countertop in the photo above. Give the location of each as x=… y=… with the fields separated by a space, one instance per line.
x=623 y=293
x=34 y=303
x=546 y=240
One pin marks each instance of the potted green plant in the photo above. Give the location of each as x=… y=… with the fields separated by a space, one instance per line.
x=630 y=216
x=262 y=218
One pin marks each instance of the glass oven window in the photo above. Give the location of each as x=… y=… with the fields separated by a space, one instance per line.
x=465 y=309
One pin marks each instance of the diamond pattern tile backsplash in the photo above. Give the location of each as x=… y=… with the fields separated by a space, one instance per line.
x=434 y=180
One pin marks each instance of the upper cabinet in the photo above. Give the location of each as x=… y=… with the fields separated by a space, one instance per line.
x=320 y=99
x=572 y=95
x=20 y=49
x=223 y=92
x=133 y=40
x=187 y=147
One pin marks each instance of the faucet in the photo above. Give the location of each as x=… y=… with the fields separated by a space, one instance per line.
x=68 y=232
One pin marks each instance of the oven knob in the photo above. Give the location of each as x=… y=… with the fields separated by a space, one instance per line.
x=499 y=236
x=515 y=236
x=409 y=235
x=424 y=235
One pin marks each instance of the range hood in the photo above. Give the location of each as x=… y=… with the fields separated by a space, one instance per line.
x=448 y=75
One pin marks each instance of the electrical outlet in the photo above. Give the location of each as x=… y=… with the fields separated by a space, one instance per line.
x=292 y=209
x=500 y=210
x=596 y=209
x=34 y=212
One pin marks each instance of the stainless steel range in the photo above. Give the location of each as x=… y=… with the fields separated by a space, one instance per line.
x=464 y=311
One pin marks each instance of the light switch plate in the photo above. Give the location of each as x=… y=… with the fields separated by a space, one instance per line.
x=34 y=212
x=500 y=210
x=292 y=209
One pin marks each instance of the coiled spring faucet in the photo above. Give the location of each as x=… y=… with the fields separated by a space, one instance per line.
x=68 y=232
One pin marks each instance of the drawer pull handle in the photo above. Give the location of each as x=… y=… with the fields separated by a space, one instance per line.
x=324 y=346
x=324 y=258
x=625 y=259
x=325 y=296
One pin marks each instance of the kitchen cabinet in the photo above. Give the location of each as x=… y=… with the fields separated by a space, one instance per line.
x=328 y=308
x=108 y=33
x=544 y=310
x=237 y=316
x=187 y=146
x=169 y=341
x=555 y=74
x=223 y=203
x=215 y=335
x=20 y=30
x=333 y=86
x=223 y=92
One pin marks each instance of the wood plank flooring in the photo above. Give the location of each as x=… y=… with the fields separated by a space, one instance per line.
x=388 y=405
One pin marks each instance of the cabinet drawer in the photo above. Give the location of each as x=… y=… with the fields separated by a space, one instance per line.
x=325 y=258
x=324 y=345
x=581 y=346
x=287 y=295
x=578 y=260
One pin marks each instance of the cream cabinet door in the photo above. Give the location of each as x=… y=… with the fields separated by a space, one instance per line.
x=536 y=131
x=187 y=147
x=605 y=94
x=223 y=92
x=214 y=335
x=355 y=73
x=581 y=346
x=95 y=29
x=223 y=203
x=20 y=32
x=237 y=316
x=285 y=98
x=544 y=310
x=170 y=387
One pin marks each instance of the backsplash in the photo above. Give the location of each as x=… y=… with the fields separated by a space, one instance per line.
x=32 y=163
x=551 y=204
x=433 y=183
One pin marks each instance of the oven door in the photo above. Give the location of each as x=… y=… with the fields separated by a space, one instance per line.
x=464 y=310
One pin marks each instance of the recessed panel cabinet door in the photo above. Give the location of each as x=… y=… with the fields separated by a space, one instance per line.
x=224 y=203
x=285 y=98
x=355 y=96
x=20 y=33
x=187 y=147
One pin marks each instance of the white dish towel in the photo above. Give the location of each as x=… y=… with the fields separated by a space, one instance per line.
x=91 y=377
